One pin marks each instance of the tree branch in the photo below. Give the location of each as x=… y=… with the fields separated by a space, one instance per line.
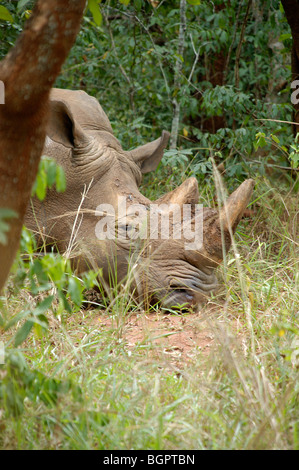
x=231 y=44
x=239 y=48
x=177 y=73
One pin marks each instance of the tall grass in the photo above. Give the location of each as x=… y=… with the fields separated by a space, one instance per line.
x=241 y=394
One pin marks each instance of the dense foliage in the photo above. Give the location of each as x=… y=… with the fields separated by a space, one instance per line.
x=233 y=80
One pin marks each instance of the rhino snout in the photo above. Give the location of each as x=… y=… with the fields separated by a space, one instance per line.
x=191 y=291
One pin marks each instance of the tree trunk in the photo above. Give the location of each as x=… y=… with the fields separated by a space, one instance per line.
x=27 y=73
x=291 y=8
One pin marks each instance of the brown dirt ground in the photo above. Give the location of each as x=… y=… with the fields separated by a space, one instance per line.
x=177 y=338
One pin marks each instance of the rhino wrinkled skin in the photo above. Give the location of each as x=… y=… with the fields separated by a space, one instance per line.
x=81 y=140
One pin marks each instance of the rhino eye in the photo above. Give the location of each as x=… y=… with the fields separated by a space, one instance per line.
x=127 y=231
x=124 y=228
x=180 y=289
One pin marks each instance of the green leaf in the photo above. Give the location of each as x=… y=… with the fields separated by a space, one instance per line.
x=40 y=186
x=180 y=57
x=60 y=179
x=276 y=139
x=285 y=36
x=51 y=173
x=294 y=157
x=194 y=2
x=64 y=305
x=125 y=2
x=23 y=332
x=5 y=213
x=90 y=278
x=5 y=14
x=260 y=140
x=43 y=306
x=18 y=317
x=93 y=6
x=75 y=291
x=37 y=269
x=41 y=325
x=22 y=3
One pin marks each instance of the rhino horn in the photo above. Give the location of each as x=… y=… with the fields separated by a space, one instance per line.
x=186 y=193
x=232 y=211
x=219 y=229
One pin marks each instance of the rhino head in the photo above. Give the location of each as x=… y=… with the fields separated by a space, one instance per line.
x=109 y=224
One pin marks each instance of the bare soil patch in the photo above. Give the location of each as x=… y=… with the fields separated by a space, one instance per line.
x=178 y=338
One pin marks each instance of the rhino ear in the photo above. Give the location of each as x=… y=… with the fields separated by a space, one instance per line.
x=149 y=155
x=62 y=127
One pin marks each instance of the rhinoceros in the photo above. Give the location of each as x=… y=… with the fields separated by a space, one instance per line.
x=167 y=268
